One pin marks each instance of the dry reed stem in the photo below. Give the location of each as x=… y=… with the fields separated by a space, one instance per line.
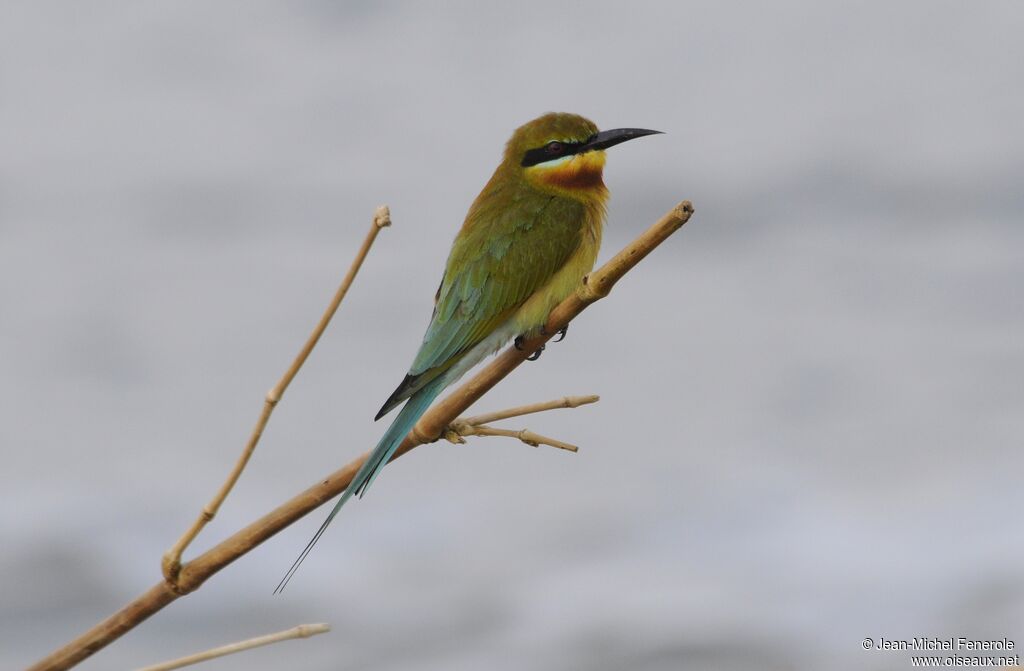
x=519 y=411
x=171 y=561
x=529 y=437
x=301 y=631
x=595 y=286
x=462 y=428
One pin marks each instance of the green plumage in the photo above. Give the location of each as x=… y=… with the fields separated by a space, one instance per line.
x=516 y=236
x=528 y=239
x=504 y=255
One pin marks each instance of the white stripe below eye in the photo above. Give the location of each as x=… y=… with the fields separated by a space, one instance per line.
x=553 y=162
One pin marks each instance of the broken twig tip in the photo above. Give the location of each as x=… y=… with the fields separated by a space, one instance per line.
x=307 y=630
x=301 y=631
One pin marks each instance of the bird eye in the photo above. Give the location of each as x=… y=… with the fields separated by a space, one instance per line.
x=554 y=148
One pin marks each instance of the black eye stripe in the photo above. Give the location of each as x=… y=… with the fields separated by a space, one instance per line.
x=551 y=150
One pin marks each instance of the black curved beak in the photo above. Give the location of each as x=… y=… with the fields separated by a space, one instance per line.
x=610 y=138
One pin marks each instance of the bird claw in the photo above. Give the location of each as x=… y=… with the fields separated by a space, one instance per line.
x=518 y=344
x=560 y=332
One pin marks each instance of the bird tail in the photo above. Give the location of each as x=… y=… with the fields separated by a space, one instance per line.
x=379 y=457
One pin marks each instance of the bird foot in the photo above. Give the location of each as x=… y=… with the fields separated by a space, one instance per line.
x=518 y=344
x=561 y=333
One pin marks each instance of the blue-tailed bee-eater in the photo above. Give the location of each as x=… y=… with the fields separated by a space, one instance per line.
x=527 y=241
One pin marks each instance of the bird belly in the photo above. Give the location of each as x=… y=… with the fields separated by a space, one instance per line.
x=532 y=314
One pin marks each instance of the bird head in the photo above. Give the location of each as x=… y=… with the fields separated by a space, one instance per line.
x=564 y=153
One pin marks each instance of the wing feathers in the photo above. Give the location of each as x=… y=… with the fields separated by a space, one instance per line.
x=503 y=254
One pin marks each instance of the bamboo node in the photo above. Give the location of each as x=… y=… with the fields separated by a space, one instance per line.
x=527 y=437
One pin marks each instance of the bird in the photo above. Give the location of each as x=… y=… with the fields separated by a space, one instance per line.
x=527 y=241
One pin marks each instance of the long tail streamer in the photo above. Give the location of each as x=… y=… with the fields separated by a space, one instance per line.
x=389 y=442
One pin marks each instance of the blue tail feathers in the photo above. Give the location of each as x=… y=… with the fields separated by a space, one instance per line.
x=379 y=457
x=392 y=438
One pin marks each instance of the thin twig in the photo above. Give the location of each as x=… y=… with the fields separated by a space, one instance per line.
x=529 y=437
x=171 y=562
x=595 y=286
x=301 y=631
x=462 y=428
x=566 y=402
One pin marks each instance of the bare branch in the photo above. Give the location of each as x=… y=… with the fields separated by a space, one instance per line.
x=595 y=286
x=462 y=428
x=566 y=402
x=301 y=631
x=171 y=562
x=529 y=437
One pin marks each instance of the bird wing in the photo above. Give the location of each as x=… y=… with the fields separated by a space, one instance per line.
x=500 y=258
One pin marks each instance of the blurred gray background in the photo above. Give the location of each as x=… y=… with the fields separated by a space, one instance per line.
x=812 y=401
